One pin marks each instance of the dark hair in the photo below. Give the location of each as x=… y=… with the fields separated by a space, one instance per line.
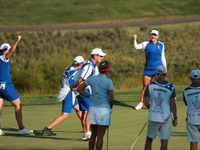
x=104 y=66
x=155 y=29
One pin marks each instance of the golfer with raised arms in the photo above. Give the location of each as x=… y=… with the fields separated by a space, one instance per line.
x=87 y=70
x=7 y=90
x=102 y=100
x=155 y=56
x=191 y=97
x=66 y=96
x=162 y=95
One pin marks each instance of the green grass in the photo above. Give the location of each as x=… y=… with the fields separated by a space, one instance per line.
x=121 y=95
x=37 y=12
x=126 y=123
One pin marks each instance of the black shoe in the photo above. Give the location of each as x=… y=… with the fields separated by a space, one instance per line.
x=48 y=132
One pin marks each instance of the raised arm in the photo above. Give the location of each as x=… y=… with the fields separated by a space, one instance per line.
x=12 y=49
x=163 y=59
x=136 y=46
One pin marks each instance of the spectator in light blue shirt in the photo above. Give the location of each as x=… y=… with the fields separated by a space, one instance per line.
x=102 y=100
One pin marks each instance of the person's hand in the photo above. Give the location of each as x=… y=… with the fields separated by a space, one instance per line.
x=134 y=36
x=72 y=88
x=175 y=122
x=19 y=38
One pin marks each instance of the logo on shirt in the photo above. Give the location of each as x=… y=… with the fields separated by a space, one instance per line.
x=158 y=47
x=196 y=102
x=158 y=99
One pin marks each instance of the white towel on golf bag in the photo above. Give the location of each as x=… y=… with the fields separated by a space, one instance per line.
x=63 y=93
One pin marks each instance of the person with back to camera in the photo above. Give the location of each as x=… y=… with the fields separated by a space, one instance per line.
x=102 y=100
x=7 y=90
x=155 y=56
x=66 y=96
x=87 y=70
x=162 y=95
x=191 y=97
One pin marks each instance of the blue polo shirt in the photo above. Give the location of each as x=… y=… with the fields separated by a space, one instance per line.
x=100 y=85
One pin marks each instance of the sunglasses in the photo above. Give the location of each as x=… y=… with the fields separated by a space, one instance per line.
x=100 y=56
x=4 y=49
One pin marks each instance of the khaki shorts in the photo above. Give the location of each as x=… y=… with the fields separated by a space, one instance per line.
x=164 y=129
x=193 y=132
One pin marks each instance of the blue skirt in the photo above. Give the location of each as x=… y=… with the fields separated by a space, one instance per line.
x=149 y=72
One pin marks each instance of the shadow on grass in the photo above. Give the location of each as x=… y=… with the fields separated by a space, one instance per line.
x=79 y=149
x=118 y=103
x=178 y=133
x=38 y=134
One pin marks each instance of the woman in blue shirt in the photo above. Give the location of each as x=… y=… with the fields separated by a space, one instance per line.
x=102 y=100
x=155 y=56
x=7 y=90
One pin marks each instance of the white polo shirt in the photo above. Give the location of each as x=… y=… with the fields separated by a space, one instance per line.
x=87 y=69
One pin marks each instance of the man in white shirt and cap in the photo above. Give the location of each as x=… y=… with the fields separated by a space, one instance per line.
x=87 y=70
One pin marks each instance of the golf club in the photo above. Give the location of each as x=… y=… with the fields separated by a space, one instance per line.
x=0 y=118
x=107 y=136
x=138 y=136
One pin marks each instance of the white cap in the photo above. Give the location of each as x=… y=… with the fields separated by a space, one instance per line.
x=161 y=69
x=98 y=51
x=195 y=74
x=5 y=46
x=154 y=31
x=78 y=60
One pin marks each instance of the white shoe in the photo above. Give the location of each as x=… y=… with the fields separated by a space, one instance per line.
x=86 y=136
x=25 y=131
x=1 y=132
x=139 y=106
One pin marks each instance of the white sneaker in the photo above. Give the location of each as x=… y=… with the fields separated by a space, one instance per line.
x=1 y=132
x=139 y=106
x=25 y=131
x=87 y=136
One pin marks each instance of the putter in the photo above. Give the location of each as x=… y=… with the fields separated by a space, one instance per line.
x=107 y=136
x=0 y=118
x=138 y=136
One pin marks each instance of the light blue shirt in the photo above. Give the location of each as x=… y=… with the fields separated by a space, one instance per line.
x=100 y=85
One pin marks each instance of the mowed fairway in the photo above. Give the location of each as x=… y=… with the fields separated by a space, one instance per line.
x=126 y=123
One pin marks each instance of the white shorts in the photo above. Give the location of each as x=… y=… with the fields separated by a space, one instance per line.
x=193 y=132
x=99 y=116
x=164 y=129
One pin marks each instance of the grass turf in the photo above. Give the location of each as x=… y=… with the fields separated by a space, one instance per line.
x=31 y=12
x=126 y=124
